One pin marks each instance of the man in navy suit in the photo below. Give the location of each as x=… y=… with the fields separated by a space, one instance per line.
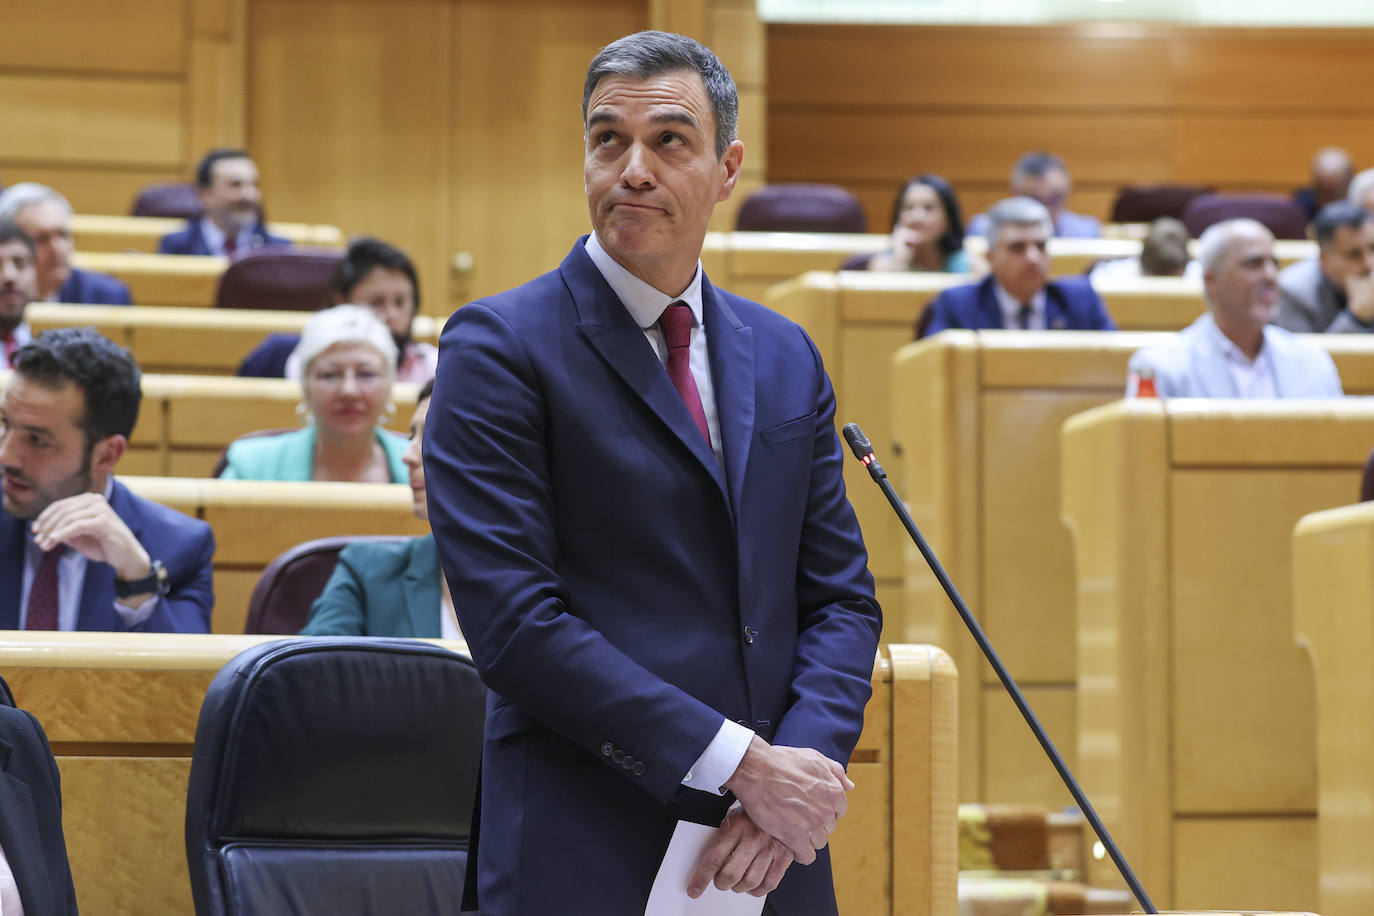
x=231 y=221
x=78 y=550
x=635 y=486
x=31 y=839
x=46 y=217
x=1018 y=293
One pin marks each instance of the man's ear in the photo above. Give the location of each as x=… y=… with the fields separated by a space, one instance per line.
x=106 y=454
x=733 y=161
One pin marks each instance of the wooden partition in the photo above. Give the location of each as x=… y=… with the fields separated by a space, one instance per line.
x=1333 y=611
x=1196 y=709
x=170 y=340
x=160 y=279
x=95 y=232
x=121 y=709
x=256 y=521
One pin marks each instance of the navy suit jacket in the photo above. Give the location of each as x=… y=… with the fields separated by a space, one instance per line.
x=184 y=545
x=623 y=590
x=268 y=359
x=86 y=287
x=31 y=817
x=192 y=241
x=1071 y=304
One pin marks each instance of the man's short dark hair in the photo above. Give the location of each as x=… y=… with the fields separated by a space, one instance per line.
x=645 y=54
x=205 y=171
x=365 y=255
x=104 y=371
x=1336 y=214
x=10 y=232
x=1036 y=164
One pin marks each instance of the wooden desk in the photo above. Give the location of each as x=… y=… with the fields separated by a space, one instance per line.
x=93 y=232
x=120 y=710
x=172 y=340
x=1333 y=617
x=160 y=279
x=1196 y=734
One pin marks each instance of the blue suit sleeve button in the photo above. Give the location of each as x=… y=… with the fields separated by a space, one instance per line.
x=638 y=769
x=618 y=755
x=628 y=762
x=606 y=749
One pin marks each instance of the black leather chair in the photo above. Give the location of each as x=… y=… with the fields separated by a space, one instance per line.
x=334 y=775
x=6 y=695
x=1367 y=480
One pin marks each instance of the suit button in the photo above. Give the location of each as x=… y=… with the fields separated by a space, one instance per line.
x=749 y=634
x=639 y=768
x=618 y=755
x=744 y=722
x=606 y=749
x=628 y=763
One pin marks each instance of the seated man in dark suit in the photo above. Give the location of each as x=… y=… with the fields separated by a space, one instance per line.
x=1332 y=293
x=39 y=879
x=46 y=217
x=227 y=180
x=1019 y=294
x=78 y=550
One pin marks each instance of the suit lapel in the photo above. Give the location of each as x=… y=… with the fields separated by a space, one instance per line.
x=422 y=602
x=1056 y=314
x=20 y=839
x=989 y=311
x=1288 y=380
x=606 y=324
x=1211 y=364
x=731 y=347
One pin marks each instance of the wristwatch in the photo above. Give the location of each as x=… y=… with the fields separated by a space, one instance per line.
x=157 y=581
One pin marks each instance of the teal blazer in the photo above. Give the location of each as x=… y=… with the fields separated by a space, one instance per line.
x=380 y=589
x=291 y=456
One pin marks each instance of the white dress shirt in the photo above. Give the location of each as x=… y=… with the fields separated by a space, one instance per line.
x=1011 y=309
x=71 y=577
x=214 y=237
x=1253 y=379
x=10 y=904
x=18 y=337
x=645 y=304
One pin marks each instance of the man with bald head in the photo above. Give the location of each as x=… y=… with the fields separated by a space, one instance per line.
x=1332 y=170
x=1234 y=350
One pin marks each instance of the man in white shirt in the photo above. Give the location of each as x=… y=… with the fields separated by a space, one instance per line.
x=1233 y=351
x=227 y=181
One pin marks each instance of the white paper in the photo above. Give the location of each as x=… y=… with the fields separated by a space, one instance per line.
x=669 y=894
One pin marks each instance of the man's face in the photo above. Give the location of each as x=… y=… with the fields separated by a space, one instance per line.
x=18 y=283
x=1052 y=189
x=49 y=225
x=43 y=453
x=1348 y=253
x=1020 y=259
x=232 y=200
x=1243 y=288
x=651 y=172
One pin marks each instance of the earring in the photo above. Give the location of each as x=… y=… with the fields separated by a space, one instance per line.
x=304 y=414
x=389 y=415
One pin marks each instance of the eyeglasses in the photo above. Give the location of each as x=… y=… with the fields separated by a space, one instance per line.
x=364 y=379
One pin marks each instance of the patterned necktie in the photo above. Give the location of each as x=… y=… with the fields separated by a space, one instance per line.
x=676 y=325
x=1023 y=317
x=231 y=244
x=43 y=593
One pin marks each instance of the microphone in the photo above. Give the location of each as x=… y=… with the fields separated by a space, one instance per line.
x=863 y=450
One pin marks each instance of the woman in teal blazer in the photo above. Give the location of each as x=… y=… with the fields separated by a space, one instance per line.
x=386 y=588
x=348 y=363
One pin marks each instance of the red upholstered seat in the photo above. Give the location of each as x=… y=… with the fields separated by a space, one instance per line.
x=1283 y=215
x=1143 y=203
x=801 y=208
x=288 y=279
x=177 y=199
x=290 y=584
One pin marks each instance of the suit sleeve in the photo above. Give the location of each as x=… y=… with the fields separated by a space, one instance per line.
x=492 y=508
x=1346 y=323
x=341 y=608
x=1294 y=315
x=838 y=618
x=1102 y=319
x=941 y=315
x=166 y=244
x=44 y=750
x=186 y=608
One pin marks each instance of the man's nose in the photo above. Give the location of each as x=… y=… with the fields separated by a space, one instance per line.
x=637 y=173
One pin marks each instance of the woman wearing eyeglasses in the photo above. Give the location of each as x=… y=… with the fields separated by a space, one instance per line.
x=348 y=361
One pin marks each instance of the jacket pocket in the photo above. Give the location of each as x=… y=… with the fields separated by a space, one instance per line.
x=786 y=432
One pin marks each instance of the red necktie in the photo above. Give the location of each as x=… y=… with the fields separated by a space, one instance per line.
x=43 y=593
x=676 y=325
x=231 y=242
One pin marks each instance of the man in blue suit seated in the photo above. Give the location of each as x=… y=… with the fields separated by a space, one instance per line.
x=1044 y=177
x=1018 y=293
x=1233 y=351
x=231 y=221
x=46 y=217
x=636 y=490
x=78 y=550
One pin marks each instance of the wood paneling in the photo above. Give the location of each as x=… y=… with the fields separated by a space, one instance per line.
x=102 y=121
x=1242 y=109
x=94 y=35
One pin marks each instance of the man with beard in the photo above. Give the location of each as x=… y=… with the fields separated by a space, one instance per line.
x=46 y=216
x=18 y=284
x=78 y=550
x=1233 y=351
x=227 y=180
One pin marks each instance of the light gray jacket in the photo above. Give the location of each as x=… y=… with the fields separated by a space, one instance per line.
x=1307 y=302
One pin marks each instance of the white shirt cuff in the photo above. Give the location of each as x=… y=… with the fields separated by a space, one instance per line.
x=133 y=616
x=721 y=758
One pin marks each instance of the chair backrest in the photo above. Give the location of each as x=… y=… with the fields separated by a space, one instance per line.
x=1283 y=215
x=289 y=584
x=222 y=461
x=6 y=695
x=178 y=199
x=286 y=279
x=334 y=775
x=1367 y=480
x=1142 y=203
x=801 y=208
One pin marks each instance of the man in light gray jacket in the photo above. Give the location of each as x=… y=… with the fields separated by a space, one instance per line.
x=1333 y=292
x=1233 y=351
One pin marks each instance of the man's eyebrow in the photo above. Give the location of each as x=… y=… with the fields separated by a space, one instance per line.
x=602 y=117
x=676 y=117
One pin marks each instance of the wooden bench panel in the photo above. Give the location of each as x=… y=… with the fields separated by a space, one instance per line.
x=96 y=232
x=160 y=279
x=121 y=712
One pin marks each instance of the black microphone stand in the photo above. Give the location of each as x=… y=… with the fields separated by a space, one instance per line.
x=863 y=450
